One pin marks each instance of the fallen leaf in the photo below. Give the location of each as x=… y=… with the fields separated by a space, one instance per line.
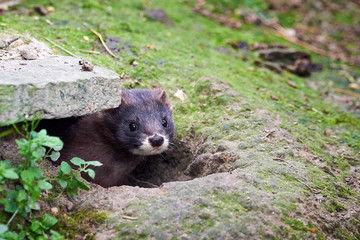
x=327 y=133
x=292 y=84
x=86 y=38
x=274 y=98
x=353 y=86
x=49 y=22
x=180 y=95
x=50 y=9
x=326 y=110
x=150 y=46
x=313 y=230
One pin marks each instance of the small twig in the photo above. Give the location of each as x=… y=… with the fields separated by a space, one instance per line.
x=101 y=40
x=346 y=92
x=280 y=160
x=87 y=51
x=310 y=188
x=8 y=43
x=67 y=51
x=129 y=218
x=270 y=133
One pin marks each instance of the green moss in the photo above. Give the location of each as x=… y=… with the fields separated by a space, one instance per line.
x=79 y=223
x=6 y=93
x=231 y=203
x=355 y=226
x=295 y=224
x=334 y=206
x=343 y=234
x=287 y=19
x=286 y=208
x=297 y=230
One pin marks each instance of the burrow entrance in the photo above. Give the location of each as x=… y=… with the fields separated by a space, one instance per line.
x=185 y=159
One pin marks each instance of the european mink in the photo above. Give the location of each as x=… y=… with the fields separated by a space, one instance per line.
x=122 y=137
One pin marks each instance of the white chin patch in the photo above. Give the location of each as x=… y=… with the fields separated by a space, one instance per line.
x=147 y=149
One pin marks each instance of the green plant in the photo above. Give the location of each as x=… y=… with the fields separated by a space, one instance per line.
x=21 y=186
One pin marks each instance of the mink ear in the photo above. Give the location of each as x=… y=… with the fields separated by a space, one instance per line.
x=123 y=97
x=164 y=97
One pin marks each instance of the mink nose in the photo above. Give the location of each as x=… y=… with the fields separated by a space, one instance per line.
x=156 y=141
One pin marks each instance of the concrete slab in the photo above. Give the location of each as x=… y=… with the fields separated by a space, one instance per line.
x=57 y=86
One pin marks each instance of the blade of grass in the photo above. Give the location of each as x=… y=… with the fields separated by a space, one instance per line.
x=102 y=41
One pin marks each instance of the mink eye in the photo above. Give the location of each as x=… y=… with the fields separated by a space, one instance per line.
x=164 y=123
x=133 y=127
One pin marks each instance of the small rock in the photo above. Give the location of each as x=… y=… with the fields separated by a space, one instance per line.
x=290 y=32
x=243 y=45
x=28 y=54
x=69 y=206
x=134 y=63
x=87 y=66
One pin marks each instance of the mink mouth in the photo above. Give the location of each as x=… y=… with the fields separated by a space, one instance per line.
x=148 y=147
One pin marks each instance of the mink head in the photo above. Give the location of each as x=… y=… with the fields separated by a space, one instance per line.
x=143 y=123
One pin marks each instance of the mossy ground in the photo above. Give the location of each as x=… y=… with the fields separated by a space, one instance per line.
x=79 y=223
x=176 y=57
